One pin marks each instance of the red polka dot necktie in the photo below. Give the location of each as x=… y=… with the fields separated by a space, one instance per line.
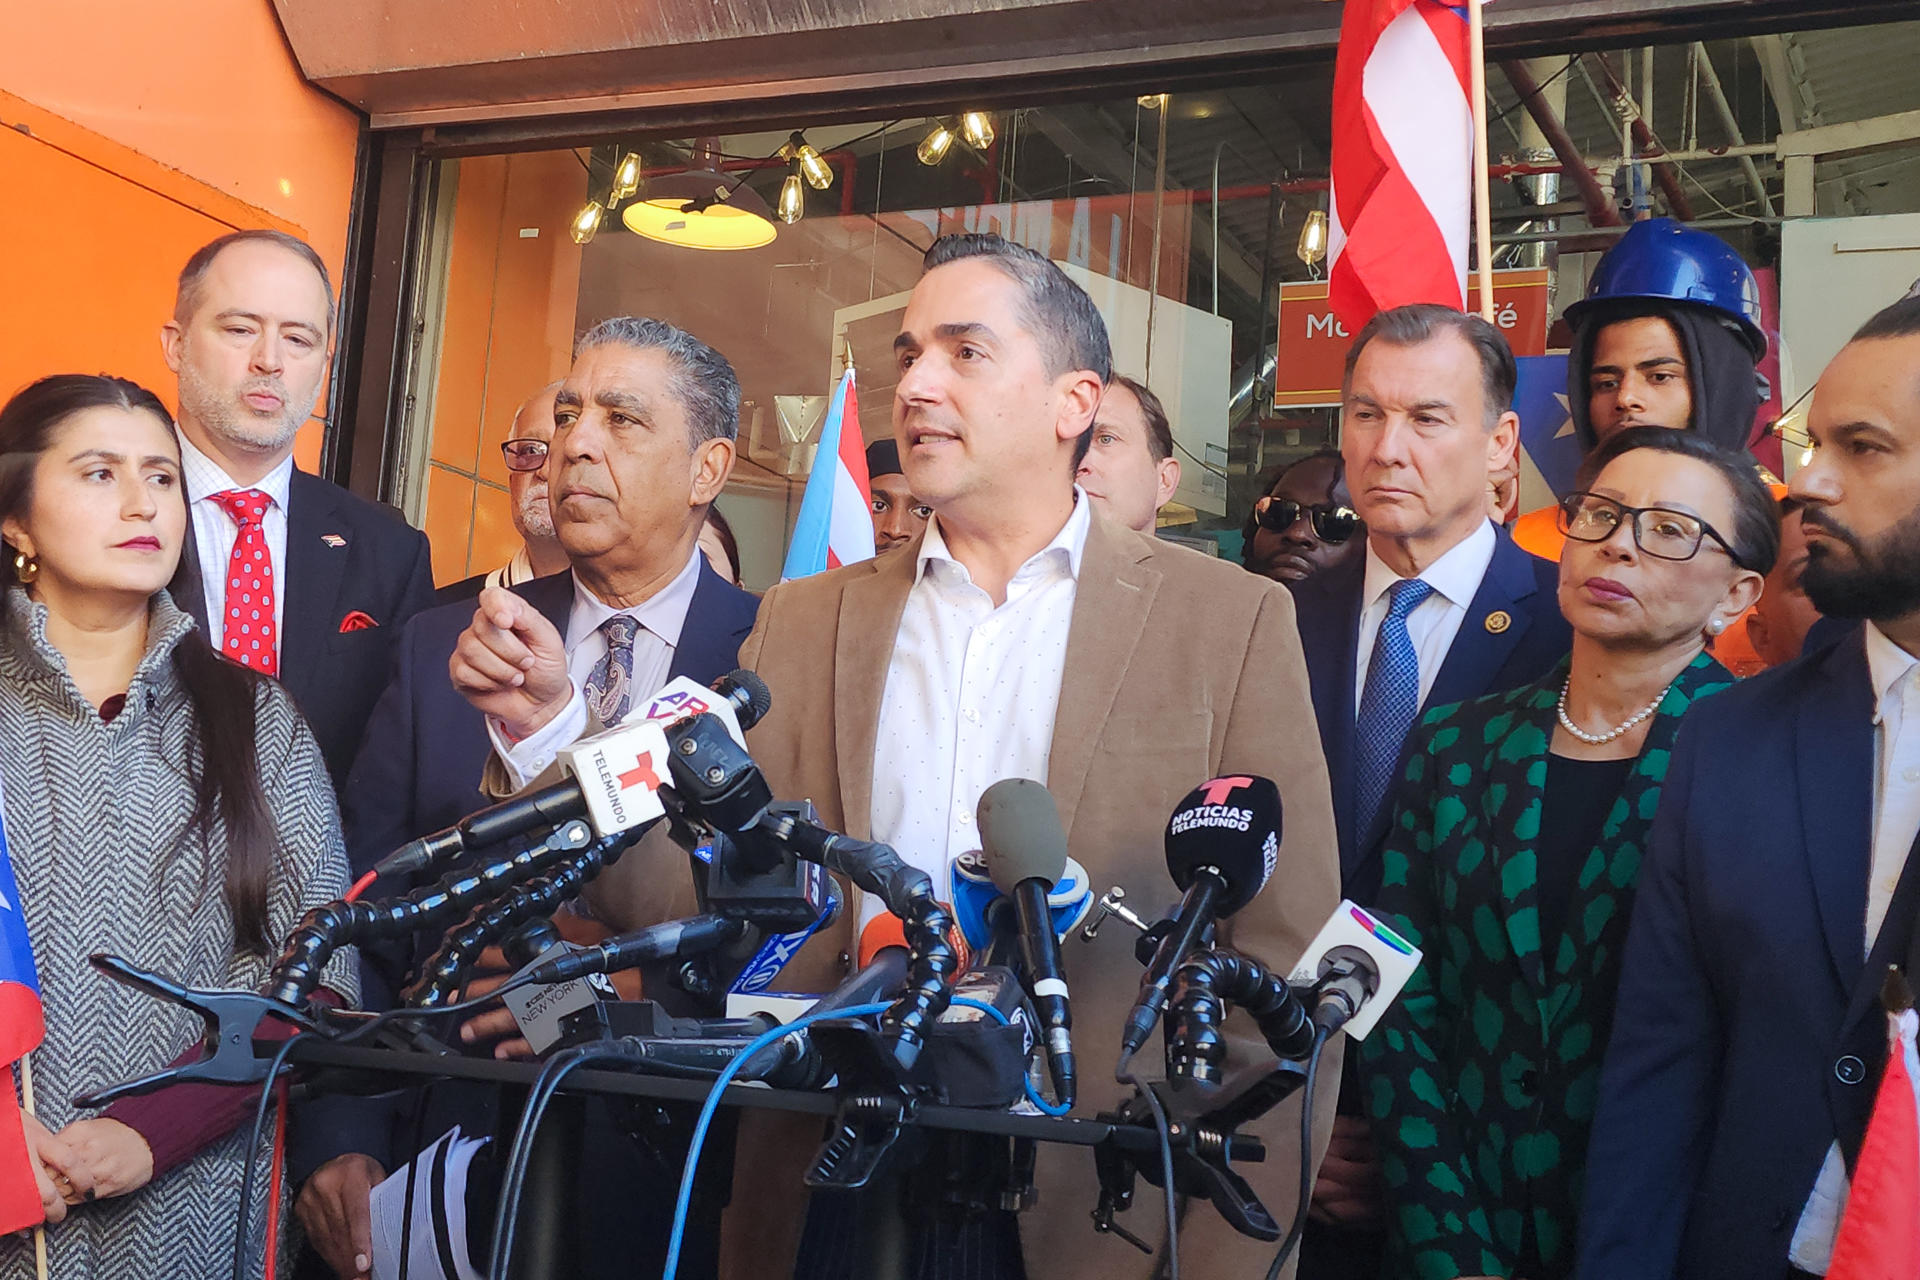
x=249 y=636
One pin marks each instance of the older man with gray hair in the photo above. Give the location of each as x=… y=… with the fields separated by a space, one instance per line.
x=643 y=440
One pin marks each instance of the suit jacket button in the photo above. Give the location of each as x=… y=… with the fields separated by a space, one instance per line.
x=1850 y=1070
x=845 y=962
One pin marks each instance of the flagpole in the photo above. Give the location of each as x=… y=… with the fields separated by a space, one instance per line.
x=1482 y=211
x=39 y=1232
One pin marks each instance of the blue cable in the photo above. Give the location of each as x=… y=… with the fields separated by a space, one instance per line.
x=683 y=1202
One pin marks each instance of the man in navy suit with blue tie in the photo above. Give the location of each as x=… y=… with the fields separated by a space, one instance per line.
x=1442 y=607
x=1777 y=889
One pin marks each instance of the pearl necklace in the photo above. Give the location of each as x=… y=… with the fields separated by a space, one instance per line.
x=1598 y=739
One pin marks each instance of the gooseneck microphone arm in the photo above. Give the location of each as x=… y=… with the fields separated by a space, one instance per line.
x=1196 y=913
x=907 y=892
x=1197 y=1046
x=325 y=929
x=442 y=975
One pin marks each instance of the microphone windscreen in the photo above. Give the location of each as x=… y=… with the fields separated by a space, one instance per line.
x=1020 y=833
x=748 y=693
x=883 y=931
x=1231 y=824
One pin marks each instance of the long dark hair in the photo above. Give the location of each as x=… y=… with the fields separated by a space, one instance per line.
x=226 y=774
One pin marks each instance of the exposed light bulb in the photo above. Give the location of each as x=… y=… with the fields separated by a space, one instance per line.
x=793 y=198
x=817 y=172
x=586 y=223
x=626 y=177
x=977 y=129
x=1313 y=238
x=1152 y=101
x=934 y=147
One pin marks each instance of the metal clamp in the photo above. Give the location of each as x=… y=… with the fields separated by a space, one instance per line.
x=1112 y=903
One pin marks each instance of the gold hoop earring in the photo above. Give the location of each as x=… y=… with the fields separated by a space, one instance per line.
x=25 y=567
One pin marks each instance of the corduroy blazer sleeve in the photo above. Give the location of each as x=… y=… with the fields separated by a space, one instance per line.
x=1270 y=731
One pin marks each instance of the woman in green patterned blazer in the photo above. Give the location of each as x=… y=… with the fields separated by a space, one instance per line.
x=1512 y=856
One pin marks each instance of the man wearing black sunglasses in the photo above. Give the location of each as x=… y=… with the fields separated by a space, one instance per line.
x=525 y=453
x=1305 y=524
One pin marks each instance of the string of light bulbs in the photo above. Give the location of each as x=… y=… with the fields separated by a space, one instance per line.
x=806 y=167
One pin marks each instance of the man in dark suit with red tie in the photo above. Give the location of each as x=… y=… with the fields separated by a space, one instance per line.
x=285 y=572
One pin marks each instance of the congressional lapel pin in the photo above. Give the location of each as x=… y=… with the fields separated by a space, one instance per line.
x=333 y=540
x=1497 y=621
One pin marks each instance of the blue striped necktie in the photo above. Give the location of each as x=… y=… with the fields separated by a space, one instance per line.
x=1388 y=703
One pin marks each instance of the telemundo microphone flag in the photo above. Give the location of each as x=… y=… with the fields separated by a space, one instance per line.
x=835 y=526
x=22 y=1027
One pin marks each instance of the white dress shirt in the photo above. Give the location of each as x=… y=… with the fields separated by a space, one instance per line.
x=1895 y=675
x=971 y=695
x=1455 y=578
x=214 y=531
x=661 y=616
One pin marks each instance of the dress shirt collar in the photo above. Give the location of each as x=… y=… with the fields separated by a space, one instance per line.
x=1887 y=664
x=204 y=477
x=1066 y=549
x=1455 y=575
x=664 y=613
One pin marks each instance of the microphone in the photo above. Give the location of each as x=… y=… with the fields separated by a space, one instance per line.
x=1026 y=853
x=672 y=940
x=979 y=908
x=1222 y=842
x=612 y=776
x=1356 y=966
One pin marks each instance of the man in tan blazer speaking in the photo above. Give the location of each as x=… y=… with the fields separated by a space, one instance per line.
x=1025 y=634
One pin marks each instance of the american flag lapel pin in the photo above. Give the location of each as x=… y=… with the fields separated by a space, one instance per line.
x=333 y=540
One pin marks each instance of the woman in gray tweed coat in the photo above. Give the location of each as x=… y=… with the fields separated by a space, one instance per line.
x=160 y=803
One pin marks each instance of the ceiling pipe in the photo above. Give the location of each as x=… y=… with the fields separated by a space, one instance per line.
x=1718 y=97
x=1600 y=207
x=1666 y=176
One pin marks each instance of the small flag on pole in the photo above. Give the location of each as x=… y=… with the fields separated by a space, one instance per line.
x=835 y=526
x=22 y=1027
x=1880 y=1231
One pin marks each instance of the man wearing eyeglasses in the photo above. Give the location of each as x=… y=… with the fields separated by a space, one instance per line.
x=525 y=453
x=1440 y=607
x=1305 y=524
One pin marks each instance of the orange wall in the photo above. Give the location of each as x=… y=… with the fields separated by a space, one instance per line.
x=148 y=130
x=508 y=331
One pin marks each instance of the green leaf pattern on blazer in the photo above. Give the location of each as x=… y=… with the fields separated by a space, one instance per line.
x=1483 y=1076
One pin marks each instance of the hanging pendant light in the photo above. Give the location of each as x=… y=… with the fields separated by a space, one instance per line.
x=586 y=223
x=1313 y=238
x=793 y=197
x=701 y=208
x=977 y=129
x=626 y=178
x=817 y=172
x=934 y=147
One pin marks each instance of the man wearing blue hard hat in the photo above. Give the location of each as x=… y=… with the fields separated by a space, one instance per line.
x=1668 y=336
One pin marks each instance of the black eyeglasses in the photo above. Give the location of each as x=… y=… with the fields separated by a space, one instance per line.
x=524 y=455
x=1331 y=522
x=1658 y=531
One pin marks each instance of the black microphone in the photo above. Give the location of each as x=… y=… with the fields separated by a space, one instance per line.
x=742 y=693
x=1222 y=842
x=1026 y=854
x=671 y=940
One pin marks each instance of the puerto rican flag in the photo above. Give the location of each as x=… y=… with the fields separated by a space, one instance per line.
x=22 y=1027
x=835 y=526
x=1402 y=158
x=1880 y=1231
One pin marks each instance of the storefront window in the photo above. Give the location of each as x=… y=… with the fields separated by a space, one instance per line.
x=1121 y=193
